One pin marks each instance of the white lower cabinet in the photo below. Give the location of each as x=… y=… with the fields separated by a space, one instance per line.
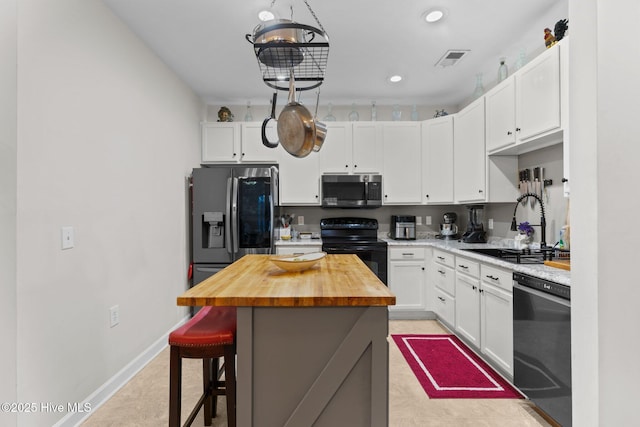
x=468 y=300
x=443 y=276
x=407 y=281
x=475 y=301
x=496 y=316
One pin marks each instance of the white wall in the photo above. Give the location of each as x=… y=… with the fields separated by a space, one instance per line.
x=604 y=160
x=106 y=136
x=8 y=188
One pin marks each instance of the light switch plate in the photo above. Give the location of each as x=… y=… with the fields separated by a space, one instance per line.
x=67 y=237
x=428 y=220
x=300 y=220
x=418 y=220
x=490 y=223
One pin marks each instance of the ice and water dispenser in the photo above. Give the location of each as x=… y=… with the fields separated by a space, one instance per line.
x=213 y=230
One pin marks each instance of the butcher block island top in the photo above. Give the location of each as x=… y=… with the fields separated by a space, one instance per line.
x=253 y=280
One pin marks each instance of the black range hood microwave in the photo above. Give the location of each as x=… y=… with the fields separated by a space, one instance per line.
x=351 y=191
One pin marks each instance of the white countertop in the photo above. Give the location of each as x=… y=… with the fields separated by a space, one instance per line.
x=456 y=247
x=552 y=274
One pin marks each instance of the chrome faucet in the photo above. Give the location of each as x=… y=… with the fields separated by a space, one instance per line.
x=543 y=221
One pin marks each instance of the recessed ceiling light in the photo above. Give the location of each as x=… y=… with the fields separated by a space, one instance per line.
x=434 y=15
x=395 y=78
x=266 y=15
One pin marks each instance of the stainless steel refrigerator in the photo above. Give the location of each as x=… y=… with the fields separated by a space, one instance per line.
x=233 y=213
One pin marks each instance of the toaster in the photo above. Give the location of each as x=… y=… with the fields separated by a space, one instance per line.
x=403 y=227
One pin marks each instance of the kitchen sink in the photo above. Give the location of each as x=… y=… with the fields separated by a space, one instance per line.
x=516 y=256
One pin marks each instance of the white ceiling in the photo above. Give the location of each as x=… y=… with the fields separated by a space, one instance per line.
x=204 y=42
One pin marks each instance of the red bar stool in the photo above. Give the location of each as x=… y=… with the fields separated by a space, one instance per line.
x=209 y=335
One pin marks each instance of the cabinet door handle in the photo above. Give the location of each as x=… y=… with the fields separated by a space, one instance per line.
x=441 y=272
x=474 y=287
x=355 y=166
x=441 y=299
x=565 y=180
x=479 y=191
x=422 y=268
x=517 y=129
x=407 y=254
x=492 y=278
x=440 y=258
x=463 y=266
x=509 y=133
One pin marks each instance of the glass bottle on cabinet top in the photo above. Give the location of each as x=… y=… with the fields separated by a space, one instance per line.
x=247 y=116
x=353 y=115
x=414 y=113
x=396 y=114
x=522 y=59
x=503 y=71
x=479 y=90
x=329 y=117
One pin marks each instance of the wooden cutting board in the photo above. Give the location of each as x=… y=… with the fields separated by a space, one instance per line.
x=565 y=265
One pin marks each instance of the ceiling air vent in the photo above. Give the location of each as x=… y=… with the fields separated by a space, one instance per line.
x=452 y=57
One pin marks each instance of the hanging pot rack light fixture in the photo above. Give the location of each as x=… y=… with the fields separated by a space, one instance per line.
x=284 y=47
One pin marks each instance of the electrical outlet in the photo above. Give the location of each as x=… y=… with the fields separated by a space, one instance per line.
x=300 y=220
x=428 y=220
x=67 y=237
x=490 y=225
x=114 y=316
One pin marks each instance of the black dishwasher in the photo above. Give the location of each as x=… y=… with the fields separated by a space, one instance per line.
x=542 y=344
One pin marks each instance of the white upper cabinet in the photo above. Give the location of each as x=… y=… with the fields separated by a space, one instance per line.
x=538 y=95
x=235 y=142
x=252 y=148
x=469 y=154
x=220 y=142
x=336 y=151
x=501 y=115
x=525 y=112
x=367 y=148
x=437 y=160
x=299 y=179
x=352 y=148
x=401 y=158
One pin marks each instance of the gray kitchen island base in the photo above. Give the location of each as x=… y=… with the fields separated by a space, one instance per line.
x=320 y=366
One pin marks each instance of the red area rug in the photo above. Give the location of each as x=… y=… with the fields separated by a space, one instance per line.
x=447 y=368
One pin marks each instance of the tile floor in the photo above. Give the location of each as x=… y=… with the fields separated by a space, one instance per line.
x=144 y=400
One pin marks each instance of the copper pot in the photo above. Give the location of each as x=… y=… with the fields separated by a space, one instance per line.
x=299 y=132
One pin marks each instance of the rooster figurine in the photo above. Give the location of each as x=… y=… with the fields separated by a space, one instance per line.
x=560 y=28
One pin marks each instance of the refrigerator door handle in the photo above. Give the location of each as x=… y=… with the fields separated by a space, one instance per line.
x=227 y=223
x=274 y=186
x=234 y=216
x=272 y=205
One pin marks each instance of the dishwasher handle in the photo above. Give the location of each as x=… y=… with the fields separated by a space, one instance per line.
x=550 y=297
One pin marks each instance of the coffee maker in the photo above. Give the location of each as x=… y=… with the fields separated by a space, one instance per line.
x=449 y=229
x=475 y=229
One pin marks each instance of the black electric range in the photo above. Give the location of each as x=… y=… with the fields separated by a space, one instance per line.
x=359 y=236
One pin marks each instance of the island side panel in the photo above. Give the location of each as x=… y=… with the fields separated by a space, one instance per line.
x=322 y=365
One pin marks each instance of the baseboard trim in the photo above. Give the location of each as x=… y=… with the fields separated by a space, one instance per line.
x=115 y=383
